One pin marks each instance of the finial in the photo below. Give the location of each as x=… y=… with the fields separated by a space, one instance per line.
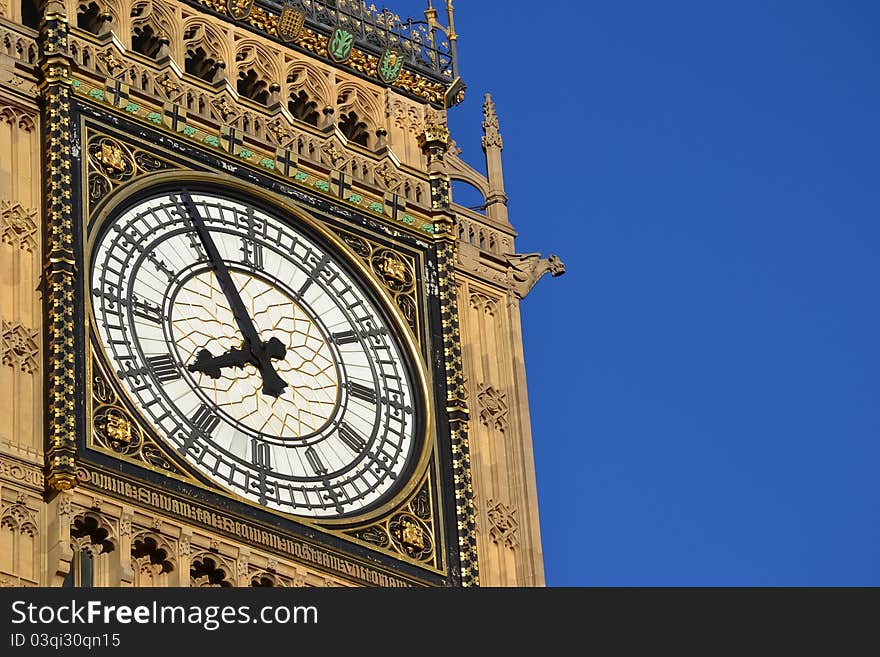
x=491 y=135
x=434 y=140
x=450 y=18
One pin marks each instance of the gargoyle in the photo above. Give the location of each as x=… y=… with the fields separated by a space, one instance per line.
x=524 y=270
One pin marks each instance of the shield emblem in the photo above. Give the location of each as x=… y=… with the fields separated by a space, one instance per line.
x=339 y=46
x=239 y=9
x=290 y=23
x=390 y=65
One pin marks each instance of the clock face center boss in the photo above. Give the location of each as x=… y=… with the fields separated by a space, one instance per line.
x=253 y=353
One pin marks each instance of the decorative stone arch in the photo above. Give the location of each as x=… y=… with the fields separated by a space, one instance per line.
x=16 y=116
x=257 y=69
x=352 y=97
x=265 y=578
x=304 y=77
x=157 y=16
x=153 y=560
x=94 y=543
x=92 y=17
x=199 y=33
x=19 y=47
x=209 y=569
x=19 y=541
x=19 y=519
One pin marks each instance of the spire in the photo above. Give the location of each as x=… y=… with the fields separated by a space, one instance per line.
x=496 y=199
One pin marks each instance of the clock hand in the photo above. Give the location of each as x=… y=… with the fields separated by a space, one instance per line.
x=209 y=364
x=261 y=352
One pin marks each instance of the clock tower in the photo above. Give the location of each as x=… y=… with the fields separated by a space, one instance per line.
x=249 y=338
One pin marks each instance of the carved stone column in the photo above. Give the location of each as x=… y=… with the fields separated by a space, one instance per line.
x=60 y=554
x=126 y=574
x=435 y=141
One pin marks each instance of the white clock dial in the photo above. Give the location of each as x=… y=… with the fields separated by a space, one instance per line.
x=254 y=353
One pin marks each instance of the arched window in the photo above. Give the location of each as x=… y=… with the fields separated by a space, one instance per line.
x=91 y=18
x=201 y=65
x=31 y=14
x=303 y=108
x=90 y=542
x=146 y=41
x=353 y=128
x=249 y=85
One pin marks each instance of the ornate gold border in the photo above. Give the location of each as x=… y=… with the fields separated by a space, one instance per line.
x=119 y=196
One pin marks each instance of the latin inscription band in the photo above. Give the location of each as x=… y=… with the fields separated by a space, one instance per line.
x=188 y=511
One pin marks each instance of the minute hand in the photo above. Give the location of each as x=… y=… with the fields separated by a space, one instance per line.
x=272 y=383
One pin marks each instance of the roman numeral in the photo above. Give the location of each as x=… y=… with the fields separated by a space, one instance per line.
x=315 y=274
x=252 y=253
x=362 y=392
x=205 y=420
x=261 y=456
x=346 y=337
x=315 y=462
x=164 y=368
x=146 y=310
x=196 y=246
x=350 y=438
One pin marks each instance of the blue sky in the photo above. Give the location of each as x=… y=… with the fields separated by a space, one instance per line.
x=705 y=378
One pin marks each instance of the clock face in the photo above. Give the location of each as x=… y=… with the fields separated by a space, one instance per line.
x=254 y=353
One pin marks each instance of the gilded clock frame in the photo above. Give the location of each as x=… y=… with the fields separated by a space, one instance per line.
x=120 y=197
x=428 y=472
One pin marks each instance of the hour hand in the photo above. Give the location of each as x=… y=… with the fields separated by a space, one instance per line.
x=260 y=357
x=208 y=363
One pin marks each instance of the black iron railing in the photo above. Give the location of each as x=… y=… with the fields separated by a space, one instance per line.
x=426 y=45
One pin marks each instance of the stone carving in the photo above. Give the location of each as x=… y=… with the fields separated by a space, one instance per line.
x=493 y=407
x=27 y=474
x=17 y=116
x=92 y=532
x=409 y=117
x=208 y=570
x=526 y=269
x=20 y=347
x=482 y=302
x=19 y=519
x=18 y=225
x=491 y=136
x=394 y=270
x=150 y=558
x=503 y=525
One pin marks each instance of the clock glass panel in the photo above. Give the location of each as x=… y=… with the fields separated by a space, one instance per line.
x=254 y=353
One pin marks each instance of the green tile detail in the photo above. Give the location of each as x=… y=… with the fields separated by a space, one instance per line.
x=76 y=84
x=155 y=117
x=323 y=185
x=132 y=107
x=377 y=207
x=355 y=198
x=189 y=131
x=408 y=219
x=428 y=228
x=301 y=176
x=212 y=140
x=267 y=163
x=245 y=153
x=97 y=93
